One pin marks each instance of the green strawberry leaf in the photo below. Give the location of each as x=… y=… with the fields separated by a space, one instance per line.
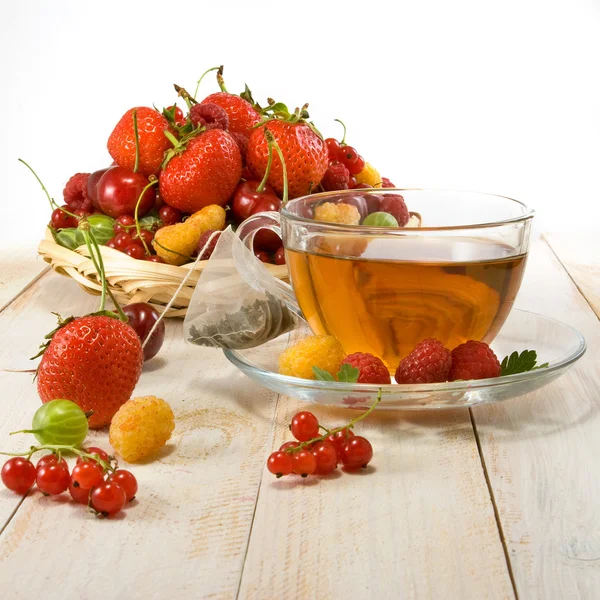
x=348 y=373
x=520 y=363
x=322 y=375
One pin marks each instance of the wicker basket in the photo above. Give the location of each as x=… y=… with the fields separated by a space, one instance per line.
x=131 y=280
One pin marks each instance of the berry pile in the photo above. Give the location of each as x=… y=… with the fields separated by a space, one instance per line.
x=314 y=454
x=95 y=479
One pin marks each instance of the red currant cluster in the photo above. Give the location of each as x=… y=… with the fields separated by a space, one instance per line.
x=344 y=163
x=94 y=480
x=312 y=454
x=127 y=240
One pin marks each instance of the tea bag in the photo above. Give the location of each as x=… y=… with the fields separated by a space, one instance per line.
x=237 y=303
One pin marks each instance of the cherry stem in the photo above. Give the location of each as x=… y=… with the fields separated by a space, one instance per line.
x=53 y=204
x=350 y=425
x=220 y=80
x=261 y=187
x=343 y=142
x=153 y=181
x=272 y=140
x=87 y=235
x=137 y=141
x=202 y=77
x=189 y=99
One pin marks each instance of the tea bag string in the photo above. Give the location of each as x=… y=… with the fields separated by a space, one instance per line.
x=183 y=282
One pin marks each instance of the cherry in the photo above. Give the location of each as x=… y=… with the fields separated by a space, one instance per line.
x=154 y=258
x=246 y=199
x=18 y=474
x=135 y=251
x=92 y=186
x=108 y=499
x=127 y=481
x=279 y=256
x=178 y=115
x=169 y=215
x=124 y=223
x=356 y=452
x=61 y=220
x=305 y=426
x=122 y=240
x=280 y=463
x=262 y=256
x=119 y=190
x=304 y=463
x=142 y=318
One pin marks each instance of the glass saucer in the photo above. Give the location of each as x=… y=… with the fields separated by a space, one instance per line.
x=556 y=343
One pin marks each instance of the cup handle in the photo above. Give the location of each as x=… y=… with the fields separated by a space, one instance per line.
x=266 y=220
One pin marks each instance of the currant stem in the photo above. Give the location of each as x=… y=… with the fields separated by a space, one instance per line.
x=343 y=142
x=53 y=204
x=137 y=141
x=202 y=77
x=350 y=425
x=153 y=181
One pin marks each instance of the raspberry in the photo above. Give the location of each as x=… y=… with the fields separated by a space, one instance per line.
x=242 y=141
x=141 y=427
x=369 y=175
x=75 y=193
x=322 y=351
x=210 y=217
x=386 y=183
x=175 y=244
x=395 y=205
x=372 y=369
x=429 y=362
x=211 y=247
x=210 y=116
x=337 y=213
x=336 y=177
x=474 y=360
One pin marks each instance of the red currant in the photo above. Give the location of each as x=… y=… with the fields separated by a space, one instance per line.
x=356 y=166
x=135 y=251
x=154 y=258
x=127 y=481
x=61 y=220
x=333 y=149
x=338 y=439
x=124 y=223
x=356 y=452
x=304 y=463
x=18 y=474
x=348 y=155
x=79 y=494
x=53 y=479
x=262 y=256
x=111 y=244
x=82 y=212
x=87 y=475
x=305 y=426
x=49 y=459
x=108 y=499
x=178 y=115
x=325 y=454
x=94 y=450
x=280 y=463
x=169 y=215
x=279 y=256
x=287 y=445
x=146 y=235
x=352 y=183
x=122 y=240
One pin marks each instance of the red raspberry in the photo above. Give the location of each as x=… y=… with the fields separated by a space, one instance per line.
x=336 y=177
x=429 y=362
x=75 y=193
x=395 y=205
x=386 y=183
x=372 y=369
x=211 y=247
x=210 y=116
x=474 y=360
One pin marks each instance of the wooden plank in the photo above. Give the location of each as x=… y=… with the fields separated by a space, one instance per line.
x=580 y=255
x=541 y=452
x=187 y=534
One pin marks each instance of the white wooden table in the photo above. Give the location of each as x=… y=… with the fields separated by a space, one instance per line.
x=498 y=502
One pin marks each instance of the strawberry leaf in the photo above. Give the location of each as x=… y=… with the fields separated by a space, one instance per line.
x=520 y=363
x=322 y=375
x=348 y=373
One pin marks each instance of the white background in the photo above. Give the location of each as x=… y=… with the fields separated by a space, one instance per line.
x=501 y=97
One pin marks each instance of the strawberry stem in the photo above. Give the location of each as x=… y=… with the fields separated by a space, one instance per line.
x=202 y=77
x=153 y=181
x=137 y=141
x=343 y=142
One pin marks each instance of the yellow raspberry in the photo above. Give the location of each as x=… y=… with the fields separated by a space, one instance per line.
x=175 y=244
x=210 y=217
x=369 y=175
x=322 y=351
x=346 y=214
x=141 y=427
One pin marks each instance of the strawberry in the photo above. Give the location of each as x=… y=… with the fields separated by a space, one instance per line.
x=204 y=170
x=95 y=361
x=304 y=152
x=242 y=115
x=152 y=141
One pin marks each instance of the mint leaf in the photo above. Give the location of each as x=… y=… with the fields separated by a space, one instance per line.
x=348 y=373
x=520 y=363
x=322 y=375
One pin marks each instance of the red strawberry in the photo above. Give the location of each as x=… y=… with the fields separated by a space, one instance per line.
x=153 y=143
x=95 y=361
x=204 y=172
x=304 y=152
x=242 y=115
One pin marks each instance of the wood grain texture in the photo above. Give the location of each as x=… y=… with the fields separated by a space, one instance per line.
x=541 y=453
x=580 y=255
x=187 y=533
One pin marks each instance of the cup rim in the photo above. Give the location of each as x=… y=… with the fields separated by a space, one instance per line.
x=527 y=215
